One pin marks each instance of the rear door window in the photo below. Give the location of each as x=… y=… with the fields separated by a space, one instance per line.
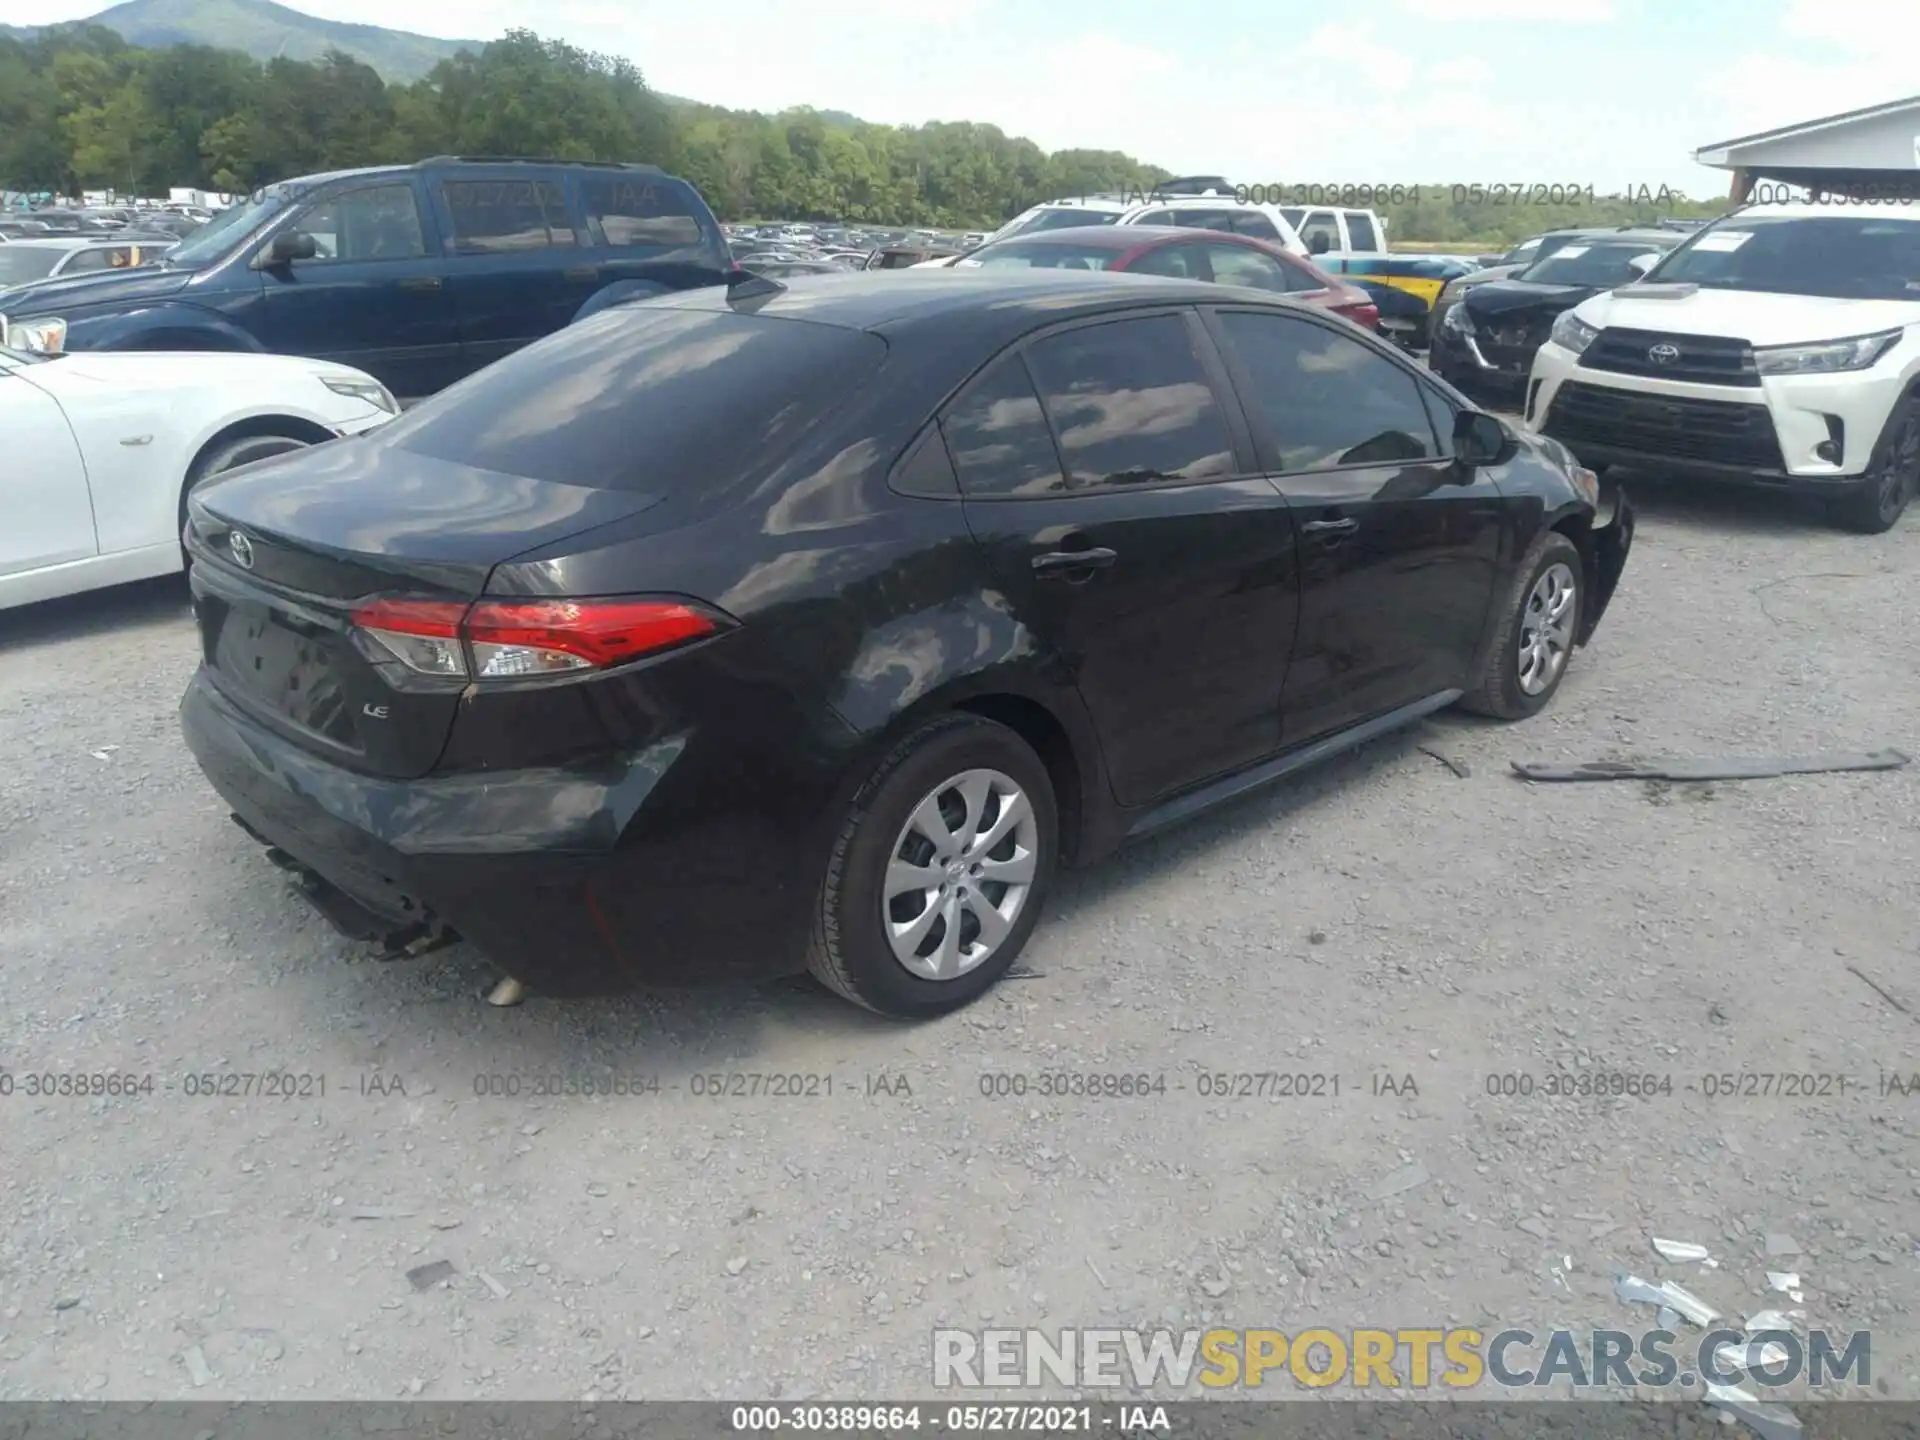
x=1212 y=218
x=495 y=217
x=1244 y=265
x=1186 y=261
x=83 y=260
x=1360 y=230
x=1131 y=403
x=660 y=401
x=998 y=437
x=623 y=211
x=1320 y=225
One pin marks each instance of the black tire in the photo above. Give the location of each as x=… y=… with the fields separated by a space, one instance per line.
x=1874 y=506
x=1497 y=691
x=231 y=456
x=850 y=953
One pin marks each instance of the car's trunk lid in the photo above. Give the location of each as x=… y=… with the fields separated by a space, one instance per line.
x=285 y=551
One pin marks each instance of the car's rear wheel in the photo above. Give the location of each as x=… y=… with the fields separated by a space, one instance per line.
x=1893 y=476
x=1536 y=626
x=938 y=875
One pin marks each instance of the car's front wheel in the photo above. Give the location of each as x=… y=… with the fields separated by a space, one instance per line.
x=1537 y=622
x=1893 y=476
x=938 y=874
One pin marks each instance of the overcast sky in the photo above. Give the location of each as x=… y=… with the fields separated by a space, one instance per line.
x=1612 y=93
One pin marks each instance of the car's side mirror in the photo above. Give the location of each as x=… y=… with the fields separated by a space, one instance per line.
x=290 y=246
x=1641 y=264
x=1480 y=439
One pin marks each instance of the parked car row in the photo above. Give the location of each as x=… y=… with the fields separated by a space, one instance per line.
x=145 y=222
x=1215 y=256
x=777 y=249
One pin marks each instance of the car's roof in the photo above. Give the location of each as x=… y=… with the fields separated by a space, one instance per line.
x=1101 y=237
x=1667 y=238
x=64 y=242
x=1002 y=300
x=1809 y=210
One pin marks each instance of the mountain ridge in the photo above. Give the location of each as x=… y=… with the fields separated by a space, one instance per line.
x=265 y=30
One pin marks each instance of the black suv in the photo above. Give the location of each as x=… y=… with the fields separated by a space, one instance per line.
x=418 y=274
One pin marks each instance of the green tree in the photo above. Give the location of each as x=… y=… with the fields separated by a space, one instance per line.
x=79 y=107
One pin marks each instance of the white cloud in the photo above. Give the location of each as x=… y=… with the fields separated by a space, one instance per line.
x=1832 y=56
x=1358 y=50
x=1465 y=70
x=1866 y=27
x=1534 y=12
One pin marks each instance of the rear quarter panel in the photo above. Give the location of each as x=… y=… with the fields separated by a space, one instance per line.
x=861 y=610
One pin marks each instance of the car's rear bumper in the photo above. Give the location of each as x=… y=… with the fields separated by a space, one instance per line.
x=1610 y=543
x=555 y=874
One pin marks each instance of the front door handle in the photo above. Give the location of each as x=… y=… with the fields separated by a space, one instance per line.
x=1330 y=527
x=1063 y=562
x=421 y=282
x=581 y=272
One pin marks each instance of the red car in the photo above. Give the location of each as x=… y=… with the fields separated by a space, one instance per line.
x=1212 y=255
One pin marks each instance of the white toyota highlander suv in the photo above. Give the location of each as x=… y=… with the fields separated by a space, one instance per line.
x=1779 y=346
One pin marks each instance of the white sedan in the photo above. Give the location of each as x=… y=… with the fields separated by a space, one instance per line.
x=99 y=448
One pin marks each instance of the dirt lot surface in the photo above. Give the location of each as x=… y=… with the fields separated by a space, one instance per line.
x=1410 y=933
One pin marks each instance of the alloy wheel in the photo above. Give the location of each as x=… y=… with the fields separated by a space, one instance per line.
x=1900 y=470
x=1546 y=628
x=959 y=874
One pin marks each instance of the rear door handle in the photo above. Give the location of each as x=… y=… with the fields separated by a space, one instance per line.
x=581 y=272
x=1062 y=562
x=421 y=282
x=1330 y=527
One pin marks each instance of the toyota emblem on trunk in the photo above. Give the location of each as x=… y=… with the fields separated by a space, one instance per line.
x=1664 y=354
x=242 y=549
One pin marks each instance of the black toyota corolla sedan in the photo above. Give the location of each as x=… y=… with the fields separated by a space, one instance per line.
x=762 y=629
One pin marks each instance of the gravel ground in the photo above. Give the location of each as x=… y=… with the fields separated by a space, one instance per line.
x=1383 y=917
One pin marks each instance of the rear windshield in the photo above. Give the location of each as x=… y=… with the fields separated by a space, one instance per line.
x=1580 y=262
x=1060 y=220
x=1837 y=257
x=646 y=398
x=21 y=263
x=1039 y=255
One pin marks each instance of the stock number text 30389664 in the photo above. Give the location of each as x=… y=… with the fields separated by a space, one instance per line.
x=1494 y=192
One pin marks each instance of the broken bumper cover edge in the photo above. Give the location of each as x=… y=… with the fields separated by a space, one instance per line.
x=1611 y=542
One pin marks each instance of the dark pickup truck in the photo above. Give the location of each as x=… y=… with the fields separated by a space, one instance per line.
x=418 y=274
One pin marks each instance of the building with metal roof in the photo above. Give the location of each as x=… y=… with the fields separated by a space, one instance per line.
x=1871 y=151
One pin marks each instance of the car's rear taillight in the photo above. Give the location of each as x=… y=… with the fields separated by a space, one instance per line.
x=529 y=639
x=424 y=635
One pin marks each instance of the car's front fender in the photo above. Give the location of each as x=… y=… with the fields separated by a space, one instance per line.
x=164 y=326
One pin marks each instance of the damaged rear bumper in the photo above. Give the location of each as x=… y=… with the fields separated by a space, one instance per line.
x=1605 y=552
